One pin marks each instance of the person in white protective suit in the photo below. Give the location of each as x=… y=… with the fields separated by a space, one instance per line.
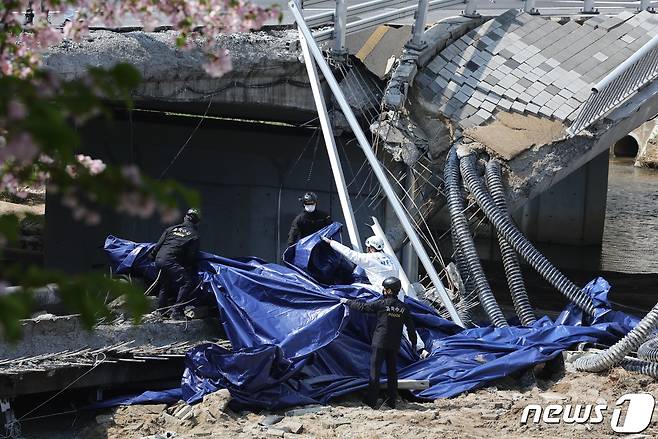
x=377 y=266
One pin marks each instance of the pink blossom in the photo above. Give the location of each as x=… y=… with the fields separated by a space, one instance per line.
x=16 y=110
x=218 y=64
x=21 y=147
x=132 y=174
x=94 y=166
x=46 y=159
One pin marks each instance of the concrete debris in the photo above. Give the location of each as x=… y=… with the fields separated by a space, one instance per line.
x=488 y=412
x=308 y=409
x=104 y=419
x=270 y=420
x=216 y=403
x=165 y=435
x=402 y=139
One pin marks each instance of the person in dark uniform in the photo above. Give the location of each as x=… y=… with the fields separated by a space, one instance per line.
x=309 y=221
x=391 y=316
x=175 y=255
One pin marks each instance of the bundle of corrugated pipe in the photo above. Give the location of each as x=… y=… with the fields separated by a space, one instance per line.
x=461 y=171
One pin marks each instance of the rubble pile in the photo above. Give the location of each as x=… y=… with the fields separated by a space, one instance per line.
x=493 y=411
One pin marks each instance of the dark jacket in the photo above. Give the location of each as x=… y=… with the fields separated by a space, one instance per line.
x=307 y=223
x=391 y=315
x=178 y=244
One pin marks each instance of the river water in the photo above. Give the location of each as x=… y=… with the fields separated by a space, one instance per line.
x=630 y=237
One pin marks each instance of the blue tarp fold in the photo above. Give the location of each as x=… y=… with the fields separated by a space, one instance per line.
x=295 y=343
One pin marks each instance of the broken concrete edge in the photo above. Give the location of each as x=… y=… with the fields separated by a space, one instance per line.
x=539 y=168
x=67 y=333
x=438 y=37
x=646 y=137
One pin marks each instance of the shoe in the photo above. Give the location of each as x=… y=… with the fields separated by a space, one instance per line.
x=390 y=403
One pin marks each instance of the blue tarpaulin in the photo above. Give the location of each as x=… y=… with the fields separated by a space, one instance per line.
x=295 y=343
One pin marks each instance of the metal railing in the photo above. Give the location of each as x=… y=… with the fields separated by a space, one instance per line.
x=620 y=84
x=327 y=17
x=383 y=18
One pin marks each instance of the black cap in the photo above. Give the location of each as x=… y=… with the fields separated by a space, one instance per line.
x=193 y=215
x=309 y=198
x=392 y=283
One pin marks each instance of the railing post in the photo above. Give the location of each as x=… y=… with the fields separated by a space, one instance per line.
x=471 y=9
x=417 y=40
x=340 y=23
x=588 y=8
x=645 y=5
x=529 y=7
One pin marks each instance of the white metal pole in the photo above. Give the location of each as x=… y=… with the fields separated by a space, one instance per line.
x=530 y=8
x=419 y=25
x=330 y=142
x=588 y=7
x=407 y=288
x=471 y=9
x=340 y=25
x=372 y=159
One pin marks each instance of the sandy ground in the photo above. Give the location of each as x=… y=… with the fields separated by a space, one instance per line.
x=493 y=412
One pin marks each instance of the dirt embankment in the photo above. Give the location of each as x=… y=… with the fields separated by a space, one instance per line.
x=493 y=412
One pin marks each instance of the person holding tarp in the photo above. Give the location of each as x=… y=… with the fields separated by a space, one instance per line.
x=175 y=256
x=377 y=264
x=309 y=221
x=392 y=316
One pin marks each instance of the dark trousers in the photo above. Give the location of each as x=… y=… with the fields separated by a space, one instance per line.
x=377 y=358
x=176 y=285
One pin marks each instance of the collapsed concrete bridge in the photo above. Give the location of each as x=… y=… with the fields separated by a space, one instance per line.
x=481 y=77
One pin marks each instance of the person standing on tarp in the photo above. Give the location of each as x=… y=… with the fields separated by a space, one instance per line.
x=309 y=221
x=377 y=264
x=392 y=315
x=176 y=256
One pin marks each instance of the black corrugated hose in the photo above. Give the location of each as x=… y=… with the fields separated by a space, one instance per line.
x=514 y=236
x=510 y=260
x=465 y=241
x=462 y=265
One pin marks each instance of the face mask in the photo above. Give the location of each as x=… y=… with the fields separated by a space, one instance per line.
x=309 y=207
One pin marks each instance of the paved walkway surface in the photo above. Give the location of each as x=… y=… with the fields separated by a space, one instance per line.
x=530 y=65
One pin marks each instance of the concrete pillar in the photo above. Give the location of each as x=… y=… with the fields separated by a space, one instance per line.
x=573 y=211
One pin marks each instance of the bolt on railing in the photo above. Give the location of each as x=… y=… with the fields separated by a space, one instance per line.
x=620 y=84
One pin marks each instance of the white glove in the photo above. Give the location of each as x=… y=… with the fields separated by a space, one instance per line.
x=424 y=354
x=327 y=240
x=343 y=300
